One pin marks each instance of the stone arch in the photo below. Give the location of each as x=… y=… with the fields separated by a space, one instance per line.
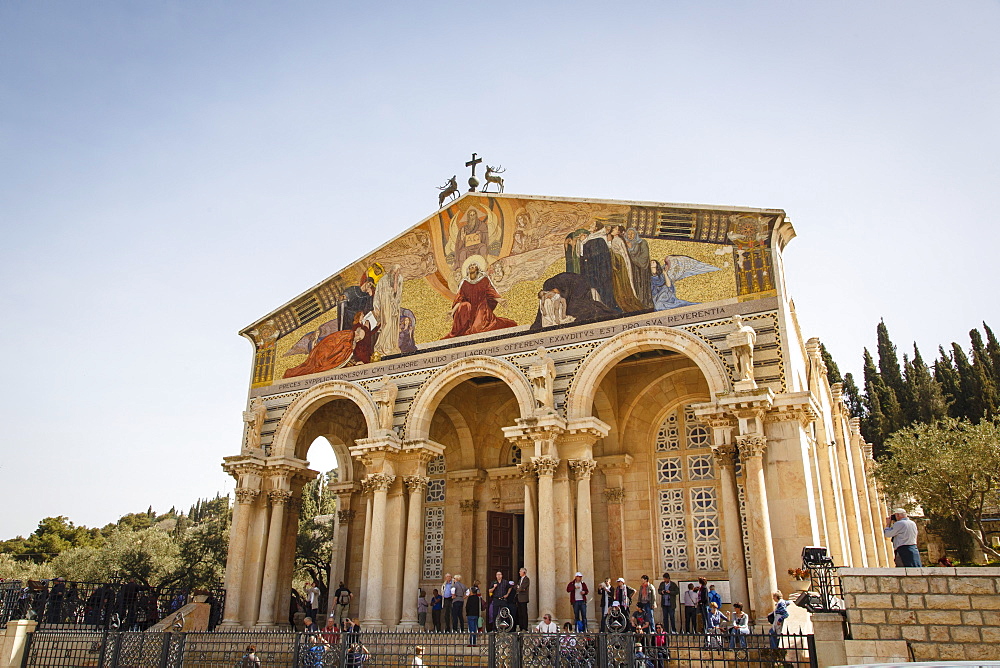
x=669 y=396
x=418 y=421
x=617 y=348
x=345 y=469
x=298 y=412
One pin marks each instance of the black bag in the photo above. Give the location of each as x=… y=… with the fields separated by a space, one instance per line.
x=770 y=617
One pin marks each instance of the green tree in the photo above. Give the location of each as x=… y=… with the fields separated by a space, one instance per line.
x=832 y=370
x=927 y=401
x=314 y=542
x=883 y=414
x=952 y=469
x=972 y=384
x=888 y=361
x=947 y=377
x=852 y=395
x=53 y=535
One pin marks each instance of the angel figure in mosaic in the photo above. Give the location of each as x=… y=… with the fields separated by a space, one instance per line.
x=665 y=276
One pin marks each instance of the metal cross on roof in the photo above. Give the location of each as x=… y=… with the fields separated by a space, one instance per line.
x=473 y=181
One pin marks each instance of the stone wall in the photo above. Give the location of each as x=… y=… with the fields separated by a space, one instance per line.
x=949 y=614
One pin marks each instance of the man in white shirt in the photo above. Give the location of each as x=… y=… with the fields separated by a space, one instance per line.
x=312 y=598
x=547 y=625
x=903 y=532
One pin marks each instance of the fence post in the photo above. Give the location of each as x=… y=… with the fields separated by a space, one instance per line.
x=295 y=649
x=165 y=649
x=117 y=635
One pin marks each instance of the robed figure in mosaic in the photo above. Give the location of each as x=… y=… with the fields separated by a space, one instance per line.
x=475 y=302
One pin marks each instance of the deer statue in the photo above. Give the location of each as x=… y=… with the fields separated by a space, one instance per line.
x=449 y=188
x=491 y=177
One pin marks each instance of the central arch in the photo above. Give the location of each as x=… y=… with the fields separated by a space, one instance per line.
x=617 y=348
x=299 y=411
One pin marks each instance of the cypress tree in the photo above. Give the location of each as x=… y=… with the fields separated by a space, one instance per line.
x=888 y=361
x=947 y=377
x=832 y=370
x=971 y=386
x=852 y=395
x=993 y=350
x=873 y=424
x=982 y=363
x=907 y=398
x=928 y=399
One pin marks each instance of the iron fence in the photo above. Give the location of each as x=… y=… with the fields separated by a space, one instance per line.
x=227 y=649
x=98 y=605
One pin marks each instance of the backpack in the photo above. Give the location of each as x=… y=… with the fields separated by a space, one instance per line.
x=344 y=598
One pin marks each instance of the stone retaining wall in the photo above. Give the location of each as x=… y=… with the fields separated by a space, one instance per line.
x=950 y=614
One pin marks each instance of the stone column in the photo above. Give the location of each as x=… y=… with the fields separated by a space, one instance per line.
x=237 y=554
x=366 y=491
x=416 y=486
x=862 y=473
x=469 y=508
x=850 y=497
x=583 y=469
x=879 y=513
x=546 y=467
x=765 y=580
x=338 y=563
x=272 y=562
x=380 y=483
x=832 y=509
x=614 y=500
x=736 y=562
x=530 y=520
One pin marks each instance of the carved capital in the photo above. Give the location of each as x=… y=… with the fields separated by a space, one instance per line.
x=614 y=495
x=246 y=495
x=345 y=516
x=724 y=455
x=752 y=445
x=526 y=470
x=279 y=496
x=582 y=468
x=546 y=465
x=469 y=505
x=415 y=484
x=379 y=482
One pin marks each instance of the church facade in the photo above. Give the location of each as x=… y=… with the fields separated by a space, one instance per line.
x=616 y=388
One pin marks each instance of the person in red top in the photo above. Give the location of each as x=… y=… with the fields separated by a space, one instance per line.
x=578 y=591
x=472 y=312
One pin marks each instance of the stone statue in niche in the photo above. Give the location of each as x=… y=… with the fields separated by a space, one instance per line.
x=741 y=341
x=542 y=375
x=254 y=417
x=385 y=399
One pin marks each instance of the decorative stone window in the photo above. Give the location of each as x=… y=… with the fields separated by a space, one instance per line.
x=687 y=497
x=434 y=519
x=513 y=455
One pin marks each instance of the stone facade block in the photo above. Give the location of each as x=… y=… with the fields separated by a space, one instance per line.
x=915 y=586
x=874 y=601
x=901 y=616
x=965 y=634
x=980 y=651
x=971 y=586
x=972 y=617
x=889 y=632
x=951 y=651
x=871 y=584
x=873 y=616
x=946 y=602
x=852 y=583
x=924 y=651
x=950 y=617
x=887 y=585
x=864 y=631
x=990 y=634
x=938 y=633
x=913 y=633
x=990 y=617
x=915 y=602
x=938 y=585
x=984 y=602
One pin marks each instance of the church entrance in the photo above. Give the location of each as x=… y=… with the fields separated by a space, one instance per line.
x=504 y=544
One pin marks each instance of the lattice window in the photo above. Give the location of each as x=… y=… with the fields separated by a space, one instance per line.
x=436 y=466
x=700 y=467
x=668 y=469
x=668 y=438
x=435 y=491
x=695 y=431
x=433 y=542
x=705 y=523
x=514 y=455
x=673 y=533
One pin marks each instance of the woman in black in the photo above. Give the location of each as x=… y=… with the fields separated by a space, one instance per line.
x=473 y=608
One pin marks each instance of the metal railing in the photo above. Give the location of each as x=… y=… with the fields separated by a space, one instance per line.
x=98 y=605
x=228 y=649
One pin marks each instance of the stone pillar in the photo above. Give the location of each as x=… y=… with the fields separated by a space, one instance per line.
x=272 y=562
x=372 y=615
x=469 y=508
x=765 y=580
x=546 y=467
x=849 y=493
x=366 y=490
x=237 y=554
x=530 y=523
x=879 y=513
x=832 y=509
x=862 y=473
x=416 y=486
x=614 y=468
x=564 y=555
x=338 y=558
x=254 y=568
x=736 y=562
x=583 y=469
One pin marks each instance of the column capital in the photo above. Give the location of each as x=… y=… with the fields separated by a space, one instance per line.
x=469 y=505
x=752 y=445
x=724 y=455
x=377 y=482
x=374 y=452
x=246 y=495
x=239 y=465
x=527 y=469
x=345 y=516
x=279 y=496
x=415 y=484
x=545 y=465
x=794 y=406
x=614 y=495
x=614 y=463
x=582 y=468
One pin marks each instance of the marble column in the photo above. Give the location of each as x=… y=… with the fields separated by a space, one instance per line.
x=372 y=616
x=765 y=580
x=851 y=514
x=527 y=470
x=546 y=467
x=338 y=563
x=366 y=491
x=863 y=473
x=416 y=486
x=614 y=500
x=879 y=513
x=583 y=469
x=832 y=508
x=272 y=561
x=469 y=508
x=732 y=523
x=237 y=554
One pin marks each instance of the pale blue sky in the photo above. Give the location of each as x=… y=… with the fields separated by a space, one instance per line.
x=174 y=170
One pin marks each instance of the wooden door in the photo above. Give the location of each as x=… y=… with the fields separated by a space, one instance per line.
x=499 y=545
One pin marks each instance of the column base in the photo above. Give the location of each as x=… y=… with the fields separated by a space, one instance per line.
x=408 y=626
x=372 y=624
x=230 y=624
